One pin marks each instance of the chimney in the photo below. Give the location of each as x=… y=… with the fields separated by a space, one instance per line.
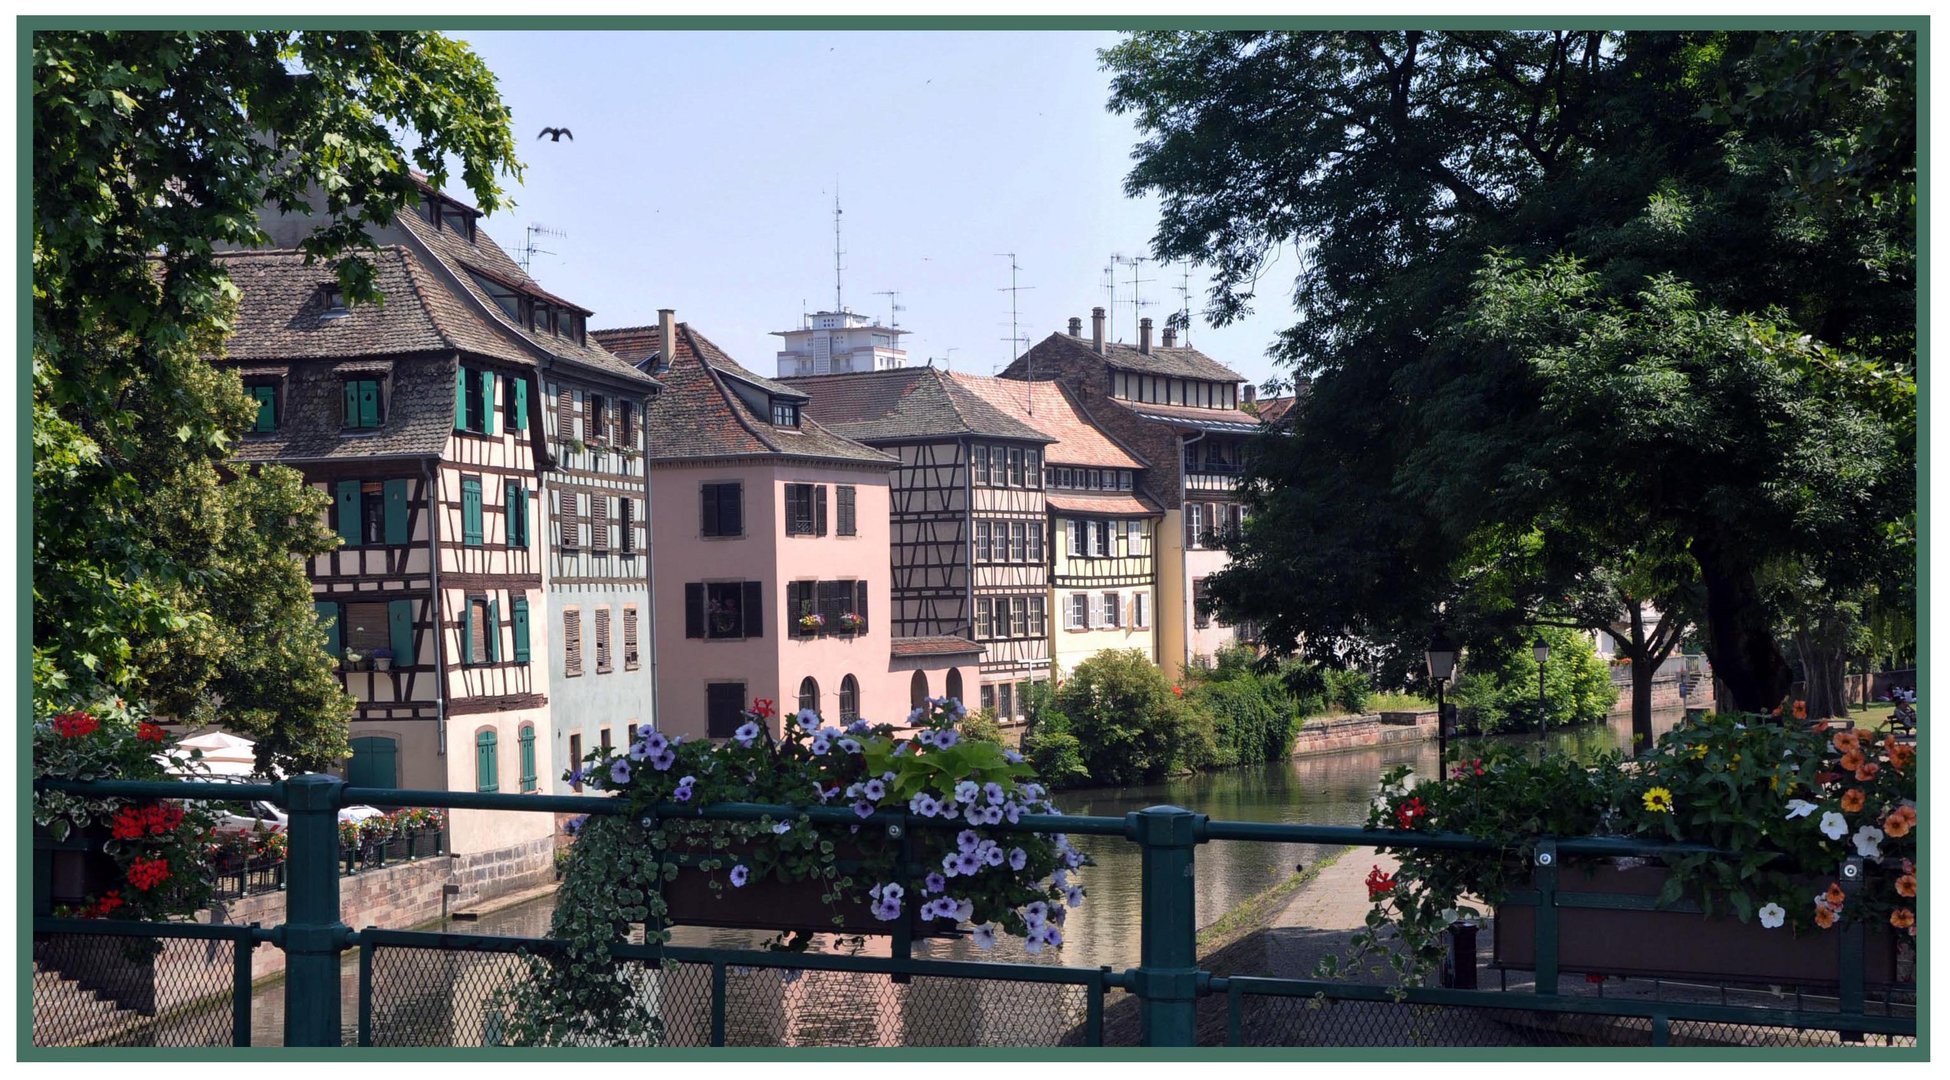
x=1171 y=336
x=1076 y=327
x=1144 y=335
x=667 y=335
x=1097 y=329
x=1249 y=392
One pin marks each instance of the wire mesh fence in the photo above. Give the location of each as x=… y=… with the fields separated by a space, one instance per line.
x=98 y=990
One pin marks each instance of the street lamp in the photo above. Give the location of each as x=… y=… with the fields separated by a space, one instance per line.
x=1541 y=649
x=1441 y=657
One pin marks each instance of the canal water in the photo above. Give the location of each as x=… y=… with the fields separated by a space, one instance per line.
x=1329 y=789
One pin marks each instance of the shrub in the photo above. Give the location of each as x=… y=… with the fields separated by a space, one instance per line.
x=1132 y=724
x=981 y=727
x=1502 y=694
x=1347 y=688
x=1252 y=717
x=1305 y=685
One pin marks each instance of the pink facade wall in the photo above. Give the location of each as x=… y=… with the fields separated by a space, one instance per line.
x=773 y=665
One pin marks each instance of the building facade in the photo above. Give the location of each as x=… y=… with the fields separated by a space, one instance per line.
x=771 y=552
x=1179 y=410
x=966 y=474
x=829 y=342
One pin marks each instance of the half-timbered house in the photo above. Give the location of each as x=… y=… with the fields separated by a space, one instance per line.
x=1179 y=410
x=966 y=472
x=1103 y=531
x=771 y=550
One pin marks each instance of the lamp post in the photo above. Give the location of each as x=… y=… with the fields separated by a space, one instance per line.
x=1441 y=657
x=1541 y=649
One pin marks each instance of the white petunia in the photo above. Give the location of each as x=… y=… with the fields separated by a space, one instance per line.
x=1800 y=808
x=1772 y=916
x=1833 y=825
x=1868 y=841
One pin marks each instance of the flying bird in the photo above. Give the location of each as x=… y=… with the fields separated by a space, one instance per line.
x=557 y=133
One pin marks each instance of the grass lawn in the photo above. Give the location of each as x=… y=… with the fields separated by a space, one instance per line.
x=1874 y=717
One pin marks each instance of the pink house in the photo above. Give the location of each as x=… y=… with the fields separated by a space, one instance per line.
x=769 y=552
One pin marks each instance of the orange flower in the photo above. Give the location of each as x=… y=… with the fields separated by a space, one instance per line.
x=1853 y=760
x=1902 y=918
x=1834 y=895
x=1906 y=885
x=1901 y=757
x=1867 y=771
x=1852 y=800
x=1900 y=821
x=1847 y=742
x=1824 y=918
x=1800 y=710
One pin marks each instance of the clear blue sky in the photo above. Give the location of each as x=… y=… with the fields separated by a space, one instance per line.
x=702 y=172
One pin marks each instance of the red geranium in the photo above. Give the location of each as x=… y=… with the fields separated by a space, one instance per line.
x=146 y=874
x=1410 y=811
x=1380 y=884
x=155 y=819
x=73 y=725
x=762 y=707
x=151 y=732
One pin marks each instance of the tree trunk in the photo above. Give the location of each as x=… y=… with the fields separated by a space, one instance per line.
x=1824 y=654
x=1642 y=671
x=1739 y=634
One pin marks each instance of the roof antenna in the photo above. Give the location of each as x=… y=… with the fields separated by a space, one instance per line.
x=838 y=303
x=528 y=248
x=895 y=307
x=1015 y=338
x=1185 y=295
x=1136 y=304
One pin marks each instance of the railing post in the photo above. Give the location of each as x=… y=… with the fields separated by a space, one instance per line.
x=1167 y=974
x=314 y=935
x=1544 y=876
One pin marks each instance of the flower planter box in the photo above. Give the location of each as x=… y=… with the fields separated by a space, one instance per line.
x=782 y=906
x=72 y=869
x=1641 y=943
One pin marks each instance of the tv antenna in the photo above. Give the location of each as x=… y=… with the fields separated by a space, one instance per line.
x=839 y=304
x=948 y=359
x=1110 y=297
x=894 y=306
x=528 y=248
x=1136 y=304
x=1015 y=337
x=1185 y=296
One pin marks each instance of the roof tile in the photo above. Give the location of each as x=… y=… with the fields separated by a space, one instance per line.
x=903 y=404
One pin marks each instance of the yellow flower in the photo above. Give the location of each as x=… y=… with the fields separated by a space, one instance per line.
x=1659 y=800
x=1699 y=751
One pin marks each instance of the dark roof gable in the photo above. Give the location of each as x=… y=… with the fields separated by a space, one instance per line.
x=904 y=404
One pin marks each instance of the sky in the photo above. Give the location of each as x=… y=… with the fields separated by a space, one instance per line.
x=703 y=167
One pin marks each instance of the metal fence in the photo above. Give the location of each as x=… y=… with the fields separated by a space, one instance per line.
x=436 y=989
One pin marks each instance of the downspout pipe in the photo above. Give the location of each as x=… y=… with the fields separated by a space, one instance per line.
x=432 y=478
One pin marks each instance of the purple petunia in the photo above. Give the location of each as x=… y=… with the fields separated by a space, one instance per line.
x=934 y=882
x=820 y=745
x=1073 y=896
x=984 y=936
x=968 y=862
x=966 y=791
x=857 y=727
x=993 y=793
x=1032 y=943
x=851 y=746
x=925 y=738
x=1012 y=812
x=782 y=828
x=655 y=742
x=1012 y=758
x=863 y=808
x=746 y=734
x=739 y=875
x=662 y=760
x=951 y=863
x=1018 y=858
x=874 y=789
x=574 y=825
x=946 y=738
x=619 y=772
x=915 y=718
x=993 y=856
x=992 y=815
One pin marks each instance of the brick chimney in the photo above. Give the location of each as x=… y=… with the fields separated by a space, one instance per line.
x=1249 y=392
x=1144 y=335
x=1076 y=327
x=667 y=334
x=1097 y=329
x=1171 y=337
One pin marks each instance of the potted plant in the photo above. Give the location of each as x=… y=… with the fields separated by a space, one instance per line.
x=1794 y=803
x=852 y=622
x=811 y=623
x=791 y=874
x=382 y=659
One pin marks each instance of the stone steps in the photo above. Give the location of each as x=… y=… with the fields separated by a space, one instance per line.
x=67 y=1015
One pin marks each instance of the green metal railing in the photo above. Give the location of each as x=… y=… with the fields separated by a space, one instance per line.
x=1167 y=982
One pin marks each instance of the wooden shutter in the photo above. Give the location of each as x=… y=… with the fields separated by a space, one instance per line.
x=819 y=510
x=461 y=419
x=693 y=610
x=796 y=606
x=860 y=603
x=520 y=606
x=592 y=425
x=527 y=752
x=848 y=527
x=400 y=631
x=488 y=379
x=494 y=631
x=1191 y=525
x=626 y=525
x=470 y=511
x=572 y=642
x=630 y=658
x=754 y=609
x=511 y=509
x=707 y=514
x=375 y=763
x=598 y=522
x=368 y=402
x=565 y=414
x=602 y=639
x=521 y=405
x=731 y=509
x=396 y=531
x=486 y=766
x=328 y=617
x=467 y=654
x=569 y=520
x=350 y=517
x=724 y=705
x=267 y=408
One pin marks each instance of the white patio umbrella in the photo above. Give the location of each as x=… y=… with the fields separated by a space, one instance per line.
x=223 y=754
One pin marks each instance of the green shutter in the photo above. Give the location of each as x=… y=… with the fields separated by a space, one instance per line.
x=488 y=379
x=494 y=631
x=513 y=512
x=521 y=404
x=352 y=403
x=521 y=629
x=487 y=770
x=396 y=513
x=460 y=401
x=527 y=756
x=470 y=511
x=267 y=408
x=328 y=615
x=399 y=618
x=349 y=512
x=467 y=633
x=375 y=763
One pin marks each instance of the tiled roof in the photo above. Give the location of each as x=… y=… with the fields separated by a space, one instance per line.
x=460 y=255
x=1228 y=421
x=698 y=415
x=1049 y=408
x=1108 y=504
x=933 y=646
x=1270 y=410
x=419 y=409
x=905 y=404
x=1179 y=361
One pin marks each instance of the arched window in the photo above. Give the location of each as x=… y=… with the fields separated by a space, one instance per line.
x=954 y=683
x=808 y=694
x=487 y=762
x=917 y=690
x=849 y=699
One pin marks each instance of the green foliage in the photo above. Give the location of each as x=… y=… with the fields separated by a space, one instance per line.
x=1253 y=719
x=1399 y=702
x=1132 y=726
x=1501 y=690
x=1347 y=688
x=980 y=726
x=152 y=150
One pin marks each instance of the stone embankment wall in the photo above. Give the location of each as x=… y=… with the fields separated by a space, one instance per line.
x=1665 y=693
x=1325 y=736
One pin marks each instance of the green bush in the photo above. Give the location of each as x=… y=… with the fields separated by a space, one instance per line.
x=1305 y=685
x=1347 y=688
x=1050 y=746
x=980 y=725
x=1502 y=696
x=1132 y=726
x=1252 y=716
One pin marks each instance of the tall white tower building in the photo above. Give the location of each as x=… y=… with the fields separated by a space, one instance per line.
x=831 y=342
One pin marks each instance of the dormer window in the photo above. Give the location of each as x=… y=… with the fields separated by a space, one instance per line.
x=333 y=301
x=457 y=219
x=785 y=413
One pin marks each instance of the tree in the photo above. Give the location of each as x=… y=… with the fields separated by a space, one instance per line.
x=1501 y=688
x=1579 y=289
x=1131 y=724
x=161 y=574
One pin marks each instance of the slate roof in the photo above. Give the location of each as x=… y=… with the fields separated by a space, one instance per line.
x=933 y=646
x=1226 y=421
x=418 y=413
x=699 y=415
x=905 y=404
x=1178 y=361
x=1108 y=504
x=1049 y=408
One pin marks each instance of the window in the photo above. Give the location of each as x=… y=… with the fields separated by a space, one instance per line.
x=367 y=516
x=603 y=664
x=487 y=766
x=1113 y=608
x=1073 y=531
x=517 y=418
x=630 y=659
x=1036 y=542
x=572 y=643
x=980 y=455
x=517 y=513
x=480 y=631
x=720 y=610
x=470 y=511
x=528 y=757
x=1099 y=538
x=1038 y=624
x=474 y=401
x=595 y=418
x=917 y=689
x=849 y=699
x=954 y=684
x=1199 y=618
x=1015 y=468
x=808 y=694
x=985 y=617
x=1140 y=618
x=361 y=403
x=847 y=494
x=1134 y=537
x=1194 y=524
x=266 y=396
x=724 y=708
x=982 y=548
x=1019 y=622
x=805 y=509
x=628 y=524
x=988 y=696
x=367 y=627
x=785 y=413
x=1005 y=701
x=1079 y=612
x=723 y=509
x=1032 y=468
x=598 y=522
x=575 y=758
x=1019 y=541
x=602 y=740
